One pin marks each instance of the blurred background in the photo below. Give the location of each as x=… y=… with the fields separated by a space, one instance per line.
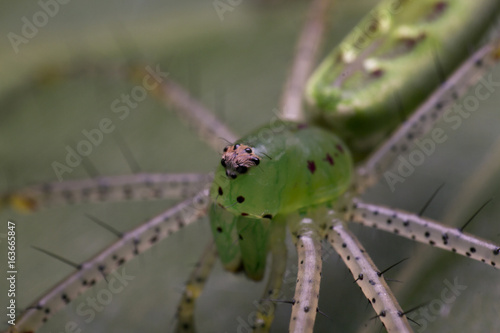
x=237 y=67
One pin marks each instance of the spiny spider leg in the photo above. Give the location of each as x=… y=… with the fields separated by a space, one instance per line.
x=426 y=231
x=307 y=238
x=272 y=291
x=107 y=261
x=368 y=278
x=422 y=120
x=142 y=186
x=306 y=53
x=194 y=288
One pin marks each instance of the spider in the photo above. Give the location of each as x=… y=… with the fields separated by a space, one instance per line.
x=47 y=148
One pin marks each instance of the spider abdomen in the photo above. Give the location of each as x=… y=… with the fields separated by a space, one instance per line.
x=386 y=67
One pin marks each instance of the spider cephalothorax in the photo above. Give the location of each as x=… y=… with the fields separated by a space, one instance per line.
x=308 y=166
x=237 y=158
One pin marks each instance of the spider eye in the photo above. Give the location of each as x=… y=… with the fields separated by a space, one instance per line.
x=225 y=149
x=248 y=150
x=241 y=169
x=255 y=160
x=223 y=162
x=236 y=146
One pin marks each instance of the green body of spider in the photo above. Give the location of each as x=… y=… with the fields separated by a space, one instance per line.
x=359 y=94
x=303 y=167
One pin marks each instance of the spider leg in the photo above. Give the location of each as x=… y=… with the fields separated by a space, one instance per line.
x=426 y=231
x=306 y=53
x=307 y=240
x=110 y=259
x=136 y=187
x=194 y=288
x=422 y=120
x=266 y=308
x=368 y=278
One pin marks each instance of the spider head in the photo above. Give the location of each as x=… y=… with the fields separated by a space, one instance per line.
x=237 y=159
